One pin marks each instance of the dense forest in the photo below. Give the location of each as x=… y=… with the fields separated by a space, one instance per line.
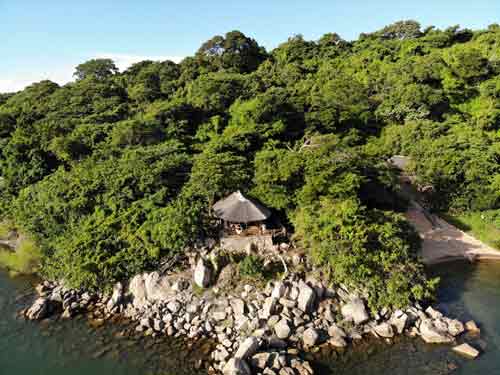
x=116 y=171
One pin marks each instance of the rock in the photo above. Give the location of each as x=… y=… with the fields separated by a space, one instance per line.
x=472 y=327
x=455 y=327
x=434 y=314
x=40 y=309
x=279 y=290
x=432 y=334
x=306 y=297
x=236 y=366
x=157 y=287
x=202 y=273
x=337 y=342
x=336 y=331
x=247 y=348
x=466 y=350
x=282 y=329
x=355 y=311
x=137 y=289
x=269 y=307
x=260 y=360
x=310 y=337
x=219 y=315
x=399 y=321
x=384 y=330
x=174 y=307
x=116 y=296
x=238 y=306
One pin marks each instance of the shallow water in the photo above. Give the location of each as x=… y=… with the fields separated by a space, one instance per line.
x=73 y=347
x=467 y=292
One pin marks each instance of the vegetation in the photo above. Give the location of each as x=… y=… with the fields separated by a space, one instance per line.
x=25 y=260
x=484 y=225
x=116 y=171
x=251 y=266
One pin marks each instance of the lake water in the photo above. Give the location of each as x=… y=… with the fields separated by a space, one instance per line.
x=74 y=348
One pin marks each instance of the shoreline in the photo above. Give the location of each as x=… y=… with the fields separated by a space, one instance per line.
x=252 y=329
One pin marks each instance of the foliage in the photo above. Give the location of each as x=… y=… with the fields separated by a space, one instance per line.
x=251 y=266
x=24 y=260
x=113 y=172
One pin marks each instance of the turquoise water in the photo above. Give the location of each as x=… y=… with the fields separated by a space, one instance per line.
x=73 y=347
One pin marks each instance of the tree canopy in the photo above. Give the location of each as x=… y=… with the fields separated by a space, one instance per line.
x=117 y=170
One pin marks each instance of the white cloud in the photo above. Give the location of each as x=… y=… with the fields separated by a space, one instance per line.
x=123 y=61
x=64 y=74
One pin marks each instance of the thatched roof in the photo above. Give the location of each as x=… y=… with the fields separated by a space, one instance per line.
x=239 y=209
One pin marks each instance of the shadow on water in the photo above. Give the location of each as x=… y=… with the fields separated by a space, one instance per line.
x=467 y=291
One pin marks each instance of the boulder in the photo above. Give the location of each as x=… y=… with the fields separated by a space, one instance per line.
x=158 y=288
x=434 y=314
x=310 y=337
x=202 y=273
x=306 y=297
x=355 y=311
x=455 y=327
x=238 y=306
x=336 y=331
x=236 y=366
x=432 y=334
x=279 y=290
x=137 y=289
x=247 y=348
x=384 y=330
x=268 y=308
x=399 y=321
x=282 y=329
x=116 y=296
x=466 y=350
x=41 y=308
x=472 y=327
x=337 y=342
x=260 y=360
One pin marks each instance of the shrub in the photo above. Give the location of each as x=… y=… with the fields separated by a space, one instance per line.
x=251 y=266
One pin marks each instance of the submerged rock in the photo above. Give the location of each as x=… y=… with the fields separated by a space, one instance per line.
x=466 y=350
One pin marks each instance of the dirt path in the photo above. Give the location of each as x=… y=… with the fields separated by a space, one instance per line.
x=443 y=241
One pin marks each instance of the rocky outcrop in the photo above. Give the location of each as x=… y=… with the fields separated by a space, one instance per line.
x=255 y=330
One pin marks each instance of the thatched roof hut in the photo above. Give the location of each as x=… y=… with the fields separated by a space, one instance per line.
x=237 y=208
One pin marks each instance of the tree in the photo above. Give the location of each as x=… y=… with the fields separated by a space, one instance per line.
x=234 y=52
x=98 y=69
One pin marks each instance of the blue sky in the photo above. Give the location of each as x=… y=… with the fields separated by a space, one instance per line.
x=47 y=38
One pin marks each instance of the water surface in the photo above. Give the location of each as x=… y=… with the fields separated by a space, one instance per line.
x=73 y=347
x=468 y=291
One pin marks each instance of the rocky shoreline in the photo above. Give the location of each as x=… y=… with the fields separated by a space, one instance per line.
x=254 y=330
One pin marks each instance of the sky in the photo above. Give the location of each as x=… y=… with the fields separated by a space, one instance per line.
x=46 y=39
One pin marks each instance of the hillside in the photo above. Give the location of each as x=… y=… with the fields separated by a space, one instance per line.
x=116 y=171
